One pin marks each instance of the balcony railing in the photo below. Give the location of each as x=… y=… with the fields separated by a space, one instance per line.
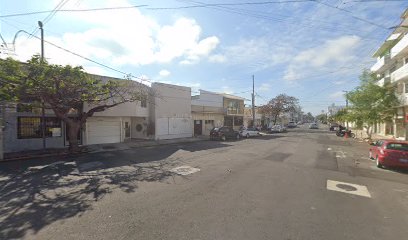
x=234 y=111
x=400 y=47
x=400 y=74
x=380 y=63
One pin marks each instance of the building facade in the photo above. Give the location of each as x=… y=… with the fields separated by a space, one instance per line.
x=171 y=111
x=207 y=112
x=392 y=67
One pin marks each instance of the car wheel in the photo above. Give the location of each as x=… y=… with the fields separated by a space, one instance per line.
x=352 y=135
x=377 y=162
x=223 y=138
x=247 y=135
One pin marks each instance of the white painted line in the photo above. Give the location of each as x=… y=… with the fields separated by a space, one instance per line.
x=350 y=188
x=329 y=149
x=184 y=170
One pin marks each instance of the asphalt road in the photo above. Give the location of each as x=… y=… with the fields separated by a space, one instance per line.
x=270 y=187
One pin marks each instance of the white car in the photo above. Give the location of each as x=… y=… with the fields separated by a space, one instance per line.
x=313 y=126
x=249 y=132
x=292 y=125
x=277 y=129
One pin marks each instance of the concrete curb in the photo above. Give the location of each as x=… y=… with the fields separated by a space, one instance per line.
x=100 y=149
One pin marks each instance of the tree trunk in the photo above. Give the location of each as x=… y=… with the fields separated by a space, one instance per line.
x=369 y=131
x=74 y=127
x=275 y=118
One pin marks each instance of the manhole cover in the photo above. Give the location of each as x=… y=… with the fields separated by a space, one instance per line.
x=346 y=187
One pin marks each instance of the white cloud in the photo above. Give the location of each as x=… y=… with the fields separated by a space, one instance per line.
x=217 y=58
x=340 y=82
x=126 y=37
x=256 y=53
x=164 y=73
x=337 y=94
x=265 y=87
x=337 y=51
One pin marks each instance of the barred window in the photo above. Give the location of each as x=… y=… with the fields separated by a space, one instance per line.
x=30 y=127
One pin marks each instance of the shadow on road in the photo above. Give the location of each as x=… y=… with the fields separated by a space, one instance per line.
x=37 y=193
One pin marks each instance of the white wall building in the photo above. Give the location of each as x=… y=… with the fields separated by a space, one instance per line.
x=171 y=111
x=207 y=112
x=392 y=67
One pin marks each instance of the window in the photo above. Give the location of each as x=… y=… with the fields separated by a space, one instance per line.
x=398 y=146
x=406 y=87
x=143 y=102
x=238 y=121
x=209 y=122
x=30 y=127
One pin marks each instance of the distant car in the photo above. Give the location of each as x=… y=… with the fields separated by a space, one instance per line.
x=313 y=126
x=277 y=129
x=333 y=126
x=249 y=132
x=390 y=153
x=291 y=125
x=224 y=133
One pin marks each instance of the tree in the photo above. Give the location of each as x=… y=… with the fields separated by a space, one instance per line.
x=72 y=94
x=279 y=105
x=370 y=103
x=322 y=118
x=308 y=117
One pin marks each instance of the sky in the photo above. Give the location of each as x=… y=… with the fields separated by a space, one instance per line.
x=313 y=50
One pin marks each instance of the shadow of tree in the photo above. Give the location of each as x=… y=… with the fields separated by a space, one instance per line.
x=35 y=198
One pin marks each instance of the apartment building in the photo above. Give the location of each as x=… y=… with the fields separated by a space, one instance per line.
x=392 y=67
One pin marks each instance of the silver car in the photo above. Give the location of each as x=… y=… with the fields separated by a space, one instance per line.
x=249 y=132
x=313 y=126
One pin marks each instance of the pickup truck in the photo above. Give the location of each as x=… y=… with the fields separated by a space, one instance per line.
x=224 y=133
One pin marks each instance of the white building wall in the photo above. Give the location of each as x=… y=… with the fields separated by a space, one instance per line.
x=129 y=109
x=172 y=111
x=209 y=99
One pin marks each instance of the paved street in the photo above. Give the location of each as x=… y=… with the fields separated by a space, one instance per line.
x=270 y=187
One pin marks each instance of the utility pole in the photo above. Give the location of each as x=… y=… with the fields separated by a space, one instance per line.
x=43 y=125
x=253 y=101
x=347 y=125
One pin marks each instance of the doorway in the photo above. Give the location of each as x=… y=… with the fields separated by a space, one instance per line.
x=198 y=127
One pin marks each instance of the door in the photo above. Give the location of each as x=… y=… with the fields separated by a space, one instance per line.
x=127 y=129
x=103 y=131
x=198 y=127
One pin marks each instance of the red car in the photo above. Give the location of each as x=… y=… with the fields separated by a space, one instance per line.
x=390 y=153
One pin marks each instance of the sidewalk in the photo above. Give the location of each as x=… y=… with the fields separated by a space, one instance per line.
x=100 y=148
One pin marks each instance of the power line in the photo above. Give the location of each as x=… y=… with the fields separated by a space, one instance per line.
x=351 y=14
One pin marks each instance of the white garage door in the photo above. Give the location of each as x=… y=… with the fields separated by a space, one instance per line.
x=103 y=131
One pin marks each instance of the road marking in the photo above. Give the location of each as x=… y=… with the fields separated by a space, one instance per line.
x=329 y=149
x=184 y=170
x=349 y=188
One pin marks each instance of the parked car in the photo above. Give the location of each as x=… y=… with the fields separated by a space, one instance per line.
x=313 y=126
x=390 y=153
x=292 y=125
x=300 y=123
x=277 y=129
x=249 y=132
x=333 y=126
x=224 y=133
